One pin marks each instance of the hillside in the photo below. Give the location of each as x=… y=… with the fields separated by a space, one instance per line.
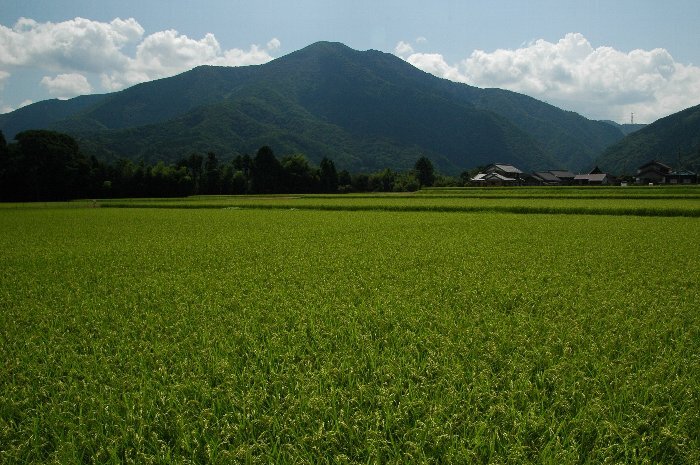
x=627 y=128
x=674 y=140
x=365 y=110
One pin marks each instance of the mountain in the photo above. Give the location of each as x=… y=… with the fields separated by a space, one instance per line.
x=364 y=110
x=626 y=128
x=674 y=140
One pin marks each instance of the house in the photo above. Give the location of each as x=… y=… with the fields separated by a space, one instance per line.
x=566 y=176
x=493 y=179
x=653 y=172
x=656 y=172
x=546 y=178
x=595 y=178
x=500 y=174
x=682 y=177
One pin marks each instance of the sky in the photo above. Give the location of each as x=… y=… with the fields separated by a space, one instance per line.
x=603 y=59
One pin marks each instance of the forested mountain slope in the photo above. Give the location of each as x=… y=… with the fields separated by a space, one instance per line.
x=365 y=110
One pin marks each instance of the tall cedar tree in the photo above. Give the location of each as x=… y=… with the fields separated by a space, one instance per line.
x=425 y=173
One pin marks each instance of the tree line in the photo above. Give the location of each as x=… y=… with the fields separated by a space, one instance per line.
x=42 y=165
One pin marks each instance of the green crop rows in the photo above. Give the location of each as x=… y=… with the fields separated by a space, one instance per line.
x=255 y=335
x=631 y=201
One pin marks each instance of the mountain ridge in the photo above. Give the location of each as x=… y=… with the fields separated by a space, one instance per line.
x=674 y=140
x=366 y=110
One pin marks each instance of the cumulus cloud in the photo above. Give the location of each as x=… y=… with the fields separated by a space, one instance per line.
x=118 y=51
x=8 y=108
x=76 y=45
x=601 y=83
x=274 y=44
x=67 y=85
x=167 y=53
x=404 y=49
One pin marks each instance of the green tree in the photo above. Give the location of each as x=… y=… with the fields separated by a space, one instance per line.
x=4 y=151
x=242 y=163
x=52 y=165
x=382 y=181
x=265 y=172
x=299 y=176
x=194 y=164
x=328 y=176
x=6 y=167
x=212 y=175
x=425 y=173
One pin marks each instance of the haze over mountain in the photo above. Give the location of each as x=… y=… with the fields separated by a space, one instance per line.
x=364 y=110
x=674 y=140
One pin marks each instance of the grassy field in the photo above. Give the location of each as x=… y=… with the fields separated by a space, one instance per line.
x=301 y=334
x=629 y=201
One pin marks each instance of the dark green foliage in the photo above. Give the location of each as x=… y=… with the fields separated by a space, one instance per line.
x=425 y=173
x=3 y=146
x=43 y=165
x=370 y=110
x=344 y=180
x=5 y=164
x=674 y=140
x=328 y=177
x=212 y=175
x=298 y=176
x=265 y=172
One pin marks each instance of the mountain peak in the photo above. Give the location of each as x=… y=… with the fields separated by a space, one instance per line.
x=366 y=110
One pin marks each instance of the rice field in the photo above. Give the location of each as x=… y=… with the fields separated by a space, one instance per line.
x=628 y=201
x=206 y=333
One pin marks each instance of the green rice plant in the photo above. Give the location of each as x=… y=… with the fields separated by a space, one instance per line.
x=628 y=206
x=310 y=336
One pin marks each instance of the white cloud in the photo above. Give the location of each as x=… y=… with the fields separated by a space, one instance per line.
x=404 y=49
x=167 y=53
x=601 y=83
x=76 y=45
x=274 y=44
x=8 y=108
x=67 y=85
x=82 y=46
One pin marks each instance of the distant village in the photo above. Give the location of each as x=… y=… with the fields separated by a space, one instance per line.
x=651 y=173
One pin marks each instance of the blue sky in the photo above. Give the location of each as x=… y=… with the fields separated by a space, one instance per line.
x=603 y=59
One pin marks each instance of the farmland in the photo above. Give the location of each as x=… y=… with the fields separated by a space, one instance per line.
x=385 y=329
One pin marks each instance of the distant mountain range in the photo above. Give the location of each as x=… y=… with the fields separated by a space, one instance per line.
x=364 y=110
x=627 y=128
x=674 y=140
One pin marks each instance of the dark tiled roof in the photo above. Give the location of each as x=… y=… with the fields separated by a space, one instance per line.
x=655 y=163
x=546 y=176
x=562 y=174
x=595 y=177
x=506 y=168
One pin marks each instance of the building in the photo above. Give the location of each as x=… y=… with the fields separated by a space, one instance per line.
x=682 y=177
x=653 y=172
x=566 y=176
x=493 y=179
x=546 y=178
x=656 y=172
x=595 y=178
x=500 y=174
